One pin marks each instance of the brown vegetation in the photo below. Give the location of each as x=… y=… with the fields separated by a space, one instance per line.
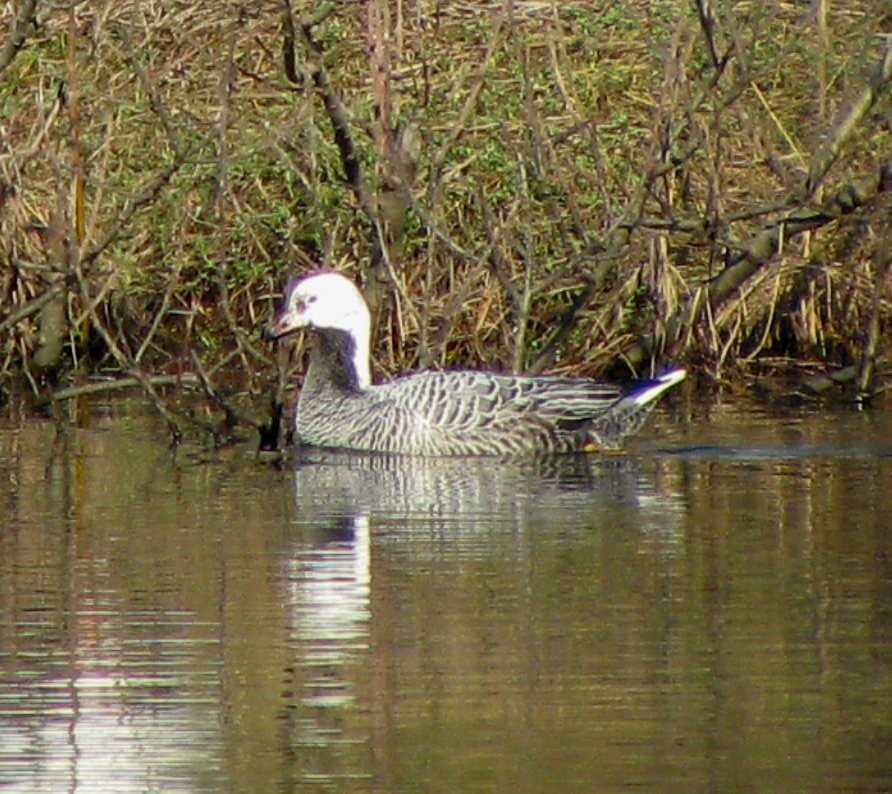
x=527 y=185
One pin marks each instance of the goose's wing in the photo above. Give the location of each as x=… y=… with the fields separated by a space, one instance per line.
x=471 y=403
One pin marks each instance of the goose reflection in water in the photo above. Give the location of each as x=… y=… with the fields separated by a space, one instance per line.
x=351 y=507
x=471 y=494
x=433 y=507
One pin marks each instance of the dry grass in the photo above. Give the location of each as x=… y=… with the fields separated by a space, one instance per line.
x=541 y=185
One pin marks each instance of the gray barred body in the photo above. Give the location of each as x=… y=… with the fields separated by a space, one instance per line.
x=442 y=413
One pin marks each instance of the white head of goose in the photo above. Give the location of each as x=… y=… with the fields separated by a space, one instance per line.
x=441 y=413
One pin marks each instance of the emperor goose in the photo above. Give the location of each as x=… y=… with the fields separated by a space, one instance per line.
x=441 y=413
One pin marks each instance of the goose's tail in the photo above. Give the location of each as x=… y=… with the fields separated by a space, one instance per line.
x=630 y=411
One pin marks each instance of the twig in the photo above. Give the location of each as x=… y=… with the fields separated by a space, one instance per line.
x=821 y=383
x=707 y=24
x=121 y=357
x=172 y=283
x=760 y=248
x=118 y=384
x=145 y=196
x=23 y=26
x=882 y=260
x=459 y=125
x=566 y=324
x=337 y=115
x=863 y=102
x=233 y=415
x=32 y=307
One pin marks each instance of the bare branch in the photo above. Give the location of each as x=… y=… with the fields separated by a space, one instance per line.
x=120 y=384
x=845 y=127
x=759 y=250
x=32 y=307
x=23 y=27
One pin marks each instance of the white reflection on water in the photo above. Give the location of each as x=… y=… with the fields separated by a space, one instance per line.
x=108 y=724
x=108 y=715
x=328 y=589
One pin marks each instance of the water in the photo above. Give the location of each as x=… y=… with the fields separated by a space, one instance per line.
x=710 y=613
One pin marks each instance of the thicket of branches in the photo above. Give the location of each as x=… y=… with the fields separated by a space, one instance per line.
x=539 y=185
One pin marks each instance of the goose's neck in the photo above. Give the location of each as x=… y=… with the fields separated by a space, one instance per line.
x=339 y=359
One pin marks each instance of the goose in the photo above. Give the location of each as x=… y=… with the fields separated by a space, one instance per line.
x=434 y=413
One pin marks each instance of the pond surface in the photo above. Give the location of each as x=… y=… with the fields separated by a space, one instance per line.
x=712 y=612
